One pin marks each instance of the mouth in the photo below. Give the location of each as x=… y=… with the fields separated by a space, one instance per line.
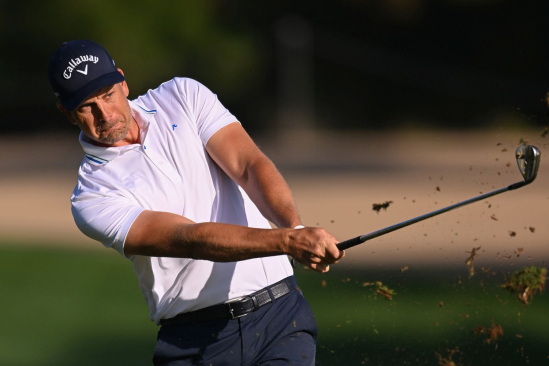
x=111 y=128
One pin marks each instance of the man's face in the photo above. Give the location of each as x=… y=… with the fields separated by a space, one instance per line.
x=105 y=116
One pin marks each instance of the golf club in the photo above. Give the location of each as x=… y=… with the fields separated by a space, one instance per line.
x=528 y=158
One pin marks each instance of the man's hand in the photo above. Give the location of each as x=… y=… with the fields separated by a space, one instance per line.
x=314 y=247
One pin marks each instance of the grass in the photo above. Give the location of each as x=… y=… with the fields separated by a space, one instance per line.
x=80 y=308
x=71 y=308
x=431 y=314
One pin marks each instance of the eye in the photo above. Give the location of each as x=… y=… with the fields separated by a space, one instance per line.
x=110 y=94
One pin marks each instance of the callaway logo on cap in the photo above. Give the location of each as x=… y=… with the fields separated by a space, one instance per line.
x=79 y=68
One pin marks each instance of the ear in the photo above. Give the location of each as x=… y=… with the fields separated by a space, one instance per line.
x=66 y=113
x=124 y=84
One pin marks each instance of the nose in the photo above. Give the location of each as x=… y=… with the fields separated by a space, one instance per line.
x=103 y=111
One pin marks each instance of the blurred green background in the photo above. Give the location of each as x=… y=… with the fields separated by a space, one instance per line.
x=356 y=102
x=334 y=64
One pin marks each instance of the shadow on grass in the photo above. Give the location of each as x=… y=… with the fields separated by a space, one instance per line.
x=431 y=317
x=78 y=308
x=107 y=349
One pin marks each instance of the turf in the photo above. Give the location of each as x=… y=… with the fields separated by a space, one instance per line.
x=71 y=308
x=431 y=314
x=65 y=307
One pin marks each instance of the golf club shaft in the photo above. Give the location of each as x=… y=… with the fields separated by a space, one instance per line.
x=361 y=239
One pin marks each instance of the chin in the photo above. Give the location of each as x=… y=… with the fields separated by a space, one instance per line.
x=115 y=136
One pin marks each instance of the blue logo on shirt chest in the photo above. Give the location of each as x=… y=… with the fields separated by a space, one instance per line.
x=173 y=127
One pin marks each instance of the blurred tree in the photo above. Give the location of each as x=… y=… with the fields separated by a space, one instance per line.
x=378 y=63
x=151 y=41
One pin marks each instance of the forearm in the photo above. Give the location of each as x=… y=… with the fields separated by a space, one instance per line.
x=269 y=191
x=227 y=243
x=161 y=234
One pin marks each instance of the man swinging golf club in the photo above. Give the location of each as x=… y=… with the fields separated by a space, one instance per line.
x=172 y=182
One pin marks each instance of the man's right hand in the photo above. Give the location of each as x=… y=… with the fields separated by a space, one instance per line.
x=314 y=247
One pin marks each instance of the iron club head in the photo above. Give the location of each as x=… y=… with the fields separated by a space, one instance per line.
x=528 y=158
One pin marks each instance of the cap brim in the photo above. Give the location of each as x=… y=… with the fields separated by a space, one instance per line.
x=81 y=94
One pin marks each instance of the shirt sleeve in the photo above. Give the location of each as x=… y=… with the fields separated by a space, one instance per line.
x=209 y=114
x=106 y=219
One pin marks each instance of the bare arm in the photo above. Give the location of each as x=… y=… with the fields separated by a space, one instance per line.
x=254 y=172
x=162 y=234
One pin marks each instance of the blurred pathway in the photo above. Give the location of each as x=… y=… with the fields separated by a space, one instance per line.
x=336 y=177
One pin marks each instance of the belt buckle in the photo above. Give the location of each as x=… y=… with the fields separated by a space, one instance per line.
x=231 y=310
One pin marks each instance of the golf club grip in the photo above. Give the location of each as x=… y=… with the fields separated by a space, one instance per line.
x=349 y=243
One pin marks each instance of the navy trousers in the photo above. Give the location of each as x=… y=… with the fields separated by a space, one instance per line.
x=282 y=332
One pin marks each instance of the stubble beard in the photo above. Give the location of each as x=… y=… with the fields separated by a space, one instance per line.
x=113 y=136
x=116 y=135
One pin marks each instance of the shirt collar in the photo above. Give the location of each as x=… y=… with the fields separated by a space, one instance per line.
x=97 y=155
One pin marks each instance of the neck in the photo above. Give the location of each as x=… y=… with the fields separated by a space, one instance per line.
x=132 y=137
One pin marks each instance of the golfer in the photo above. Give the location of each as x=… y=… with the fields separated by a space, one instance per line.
x=173 y=182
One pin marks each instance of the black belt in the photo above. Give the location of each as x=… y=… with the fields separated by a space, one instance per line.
x=236 y=308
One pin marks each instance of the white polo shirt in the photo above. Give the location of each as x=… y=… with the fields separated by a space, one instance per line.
x=172 y=172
